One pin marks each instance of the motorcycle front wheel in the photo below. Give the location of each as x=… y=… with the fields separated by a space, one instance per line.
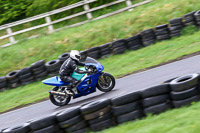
x=106 y=82
x=59 y=100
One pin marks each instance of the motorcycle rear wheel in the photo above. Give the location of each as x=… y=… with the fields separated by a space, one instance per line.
x=59 y=100
x=106 y=82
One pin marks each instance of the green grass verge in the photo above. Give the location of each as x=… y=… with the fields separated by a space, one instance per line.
x=92 y=34
x=117 y=65
x=182 y=120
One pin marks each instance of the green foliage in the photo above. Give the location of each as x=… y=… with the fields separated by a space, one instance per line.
x=12 y=10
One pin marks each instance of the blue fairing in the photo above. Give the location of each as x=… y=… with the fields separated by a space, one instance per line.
x=54 y=81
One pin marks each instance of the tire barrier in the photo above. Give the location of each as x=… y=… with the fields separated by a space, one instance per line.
x=39 y=70
x=105 y=113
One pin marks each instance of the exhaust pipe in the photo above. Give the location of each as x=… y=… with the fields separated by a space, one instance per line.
x=57 y=93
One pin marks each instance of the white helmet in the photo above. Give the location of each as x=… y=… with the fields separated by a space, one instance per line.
x=75 y=54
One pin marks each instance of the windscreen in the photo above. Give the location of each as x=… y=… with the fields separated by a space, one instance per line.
x=90 y=60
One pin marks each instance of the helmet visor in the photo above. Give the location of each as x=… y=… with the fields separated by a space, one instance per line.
x=78 y=56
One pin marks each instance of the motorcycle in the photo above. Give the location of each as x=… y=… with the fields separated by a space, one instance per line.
x=87 y=83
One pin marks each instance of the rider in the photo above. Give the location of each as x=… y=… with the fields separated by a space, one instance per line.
x=69 y=66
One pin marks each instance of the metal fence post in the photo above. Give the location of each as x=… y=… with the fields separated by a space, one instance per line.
x=86 y=8
x=129 y=3
x=11 y=37
x=50 y=26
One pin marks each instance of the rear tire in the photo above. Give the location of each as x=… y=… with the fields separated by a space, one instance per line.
x=109 y=79
x=54 y=99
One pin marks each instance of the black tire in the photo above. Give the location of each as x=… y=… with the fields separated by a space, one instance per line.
x=156 y=109
x=148 y=31
x=63 y=57
x=176 y=21
x=16 y=80
x=101 y=118
x=123 y=109
x=68 y=114
x=53 y=100
x=56 y=69
x=190 y=23
x=101 y=125
x=70 y=122
x=94 y=106
x=106 y=46
x=42 y=122
x=37 y=64
x=147 y=43
x=129 y=116
x=148 y=38
x=185 y=102
x=155 y=91
x=24 y=71
x=27 y=79
x=125 y=99
x=77 y=126
x=175 y=35
x=105 y=77
x=175 y=32
x=25 y=76
x=50 y=129
x=163 y=37
x=119 y=50
x=24 y=128
x=97 y=114
x=3 y=84
x=27 y=82
x=184 y=94
x=161 y=26
x=151 y=101
x=184 y=82
x=12 y=75
x=2 y=79
x=161 y=32
x=135 y=47
x=172 y=28
x=53 y=64
x=41 y=75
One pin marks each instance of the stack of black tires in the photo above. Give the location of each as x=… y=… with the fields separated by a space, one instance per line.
x=184 y=90
x=148 y=37
x=46 y=124
x=26 y=76
x=156 y=99
x=71 y=120
x=134 y=42
x=176 y=26
x=119 y=46
x=127 y=107
x=94 y=52
x=189 y=19
x=98 y=114
x=3 y=83
x=13 y=79
x=105 y=50
x=162 y=32
x=53 y=67
x=39 y=69
x=197 y=18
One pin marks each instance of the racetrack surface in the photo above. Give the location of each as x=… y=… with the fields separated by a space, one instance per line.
x=134 y=82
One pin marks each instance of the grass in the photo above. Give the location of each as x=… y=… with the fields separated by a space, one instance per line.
x=126 y=63
x=92 y=34
x=182 y=120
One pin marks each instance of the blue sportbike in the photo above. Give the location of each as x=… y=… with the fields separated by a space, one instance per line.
x=87 y=83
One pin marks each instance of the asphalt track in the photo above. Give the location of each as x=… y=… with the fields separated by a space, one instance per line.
x=134 y=82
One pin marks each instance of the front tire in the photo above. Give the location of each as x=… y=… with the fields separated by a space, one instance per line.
x=106 y=82
x=59 y=100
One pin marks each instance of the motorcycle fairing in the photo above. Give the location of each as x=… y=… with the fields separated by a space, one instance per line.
x=55 y=81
